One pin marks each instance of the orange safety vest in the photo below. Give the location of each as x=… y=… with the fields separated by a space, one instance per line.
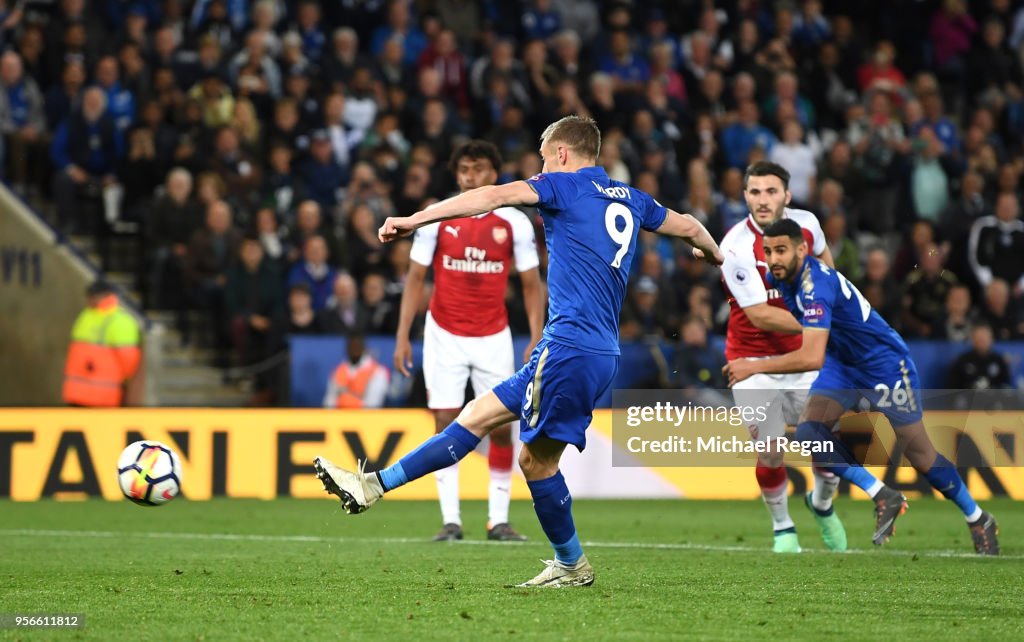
x=352 y=382
x=104 y=354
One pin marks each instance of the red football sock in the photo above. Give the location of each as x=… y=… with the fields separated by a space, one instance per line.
x=500 y=457
x=769 y=478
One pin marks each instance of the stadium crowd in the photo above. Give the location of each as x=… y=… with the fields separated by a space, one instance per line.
x=260 y=143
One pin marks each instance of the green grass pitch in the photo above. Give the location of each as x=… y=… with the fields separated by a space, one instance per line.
x=666 y=570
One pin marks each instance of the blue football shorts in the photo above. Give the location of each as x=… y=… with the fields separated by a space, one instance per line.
x=891 y=385
x=555 y=393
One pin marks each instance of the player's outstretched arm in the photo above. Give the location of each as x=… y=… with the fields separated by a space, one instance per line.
x=810 y=356
x=470 y=203
x=693 y=232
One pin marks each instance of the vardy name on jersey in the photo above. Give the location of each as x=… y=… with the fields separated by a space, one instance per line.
x=590 y=224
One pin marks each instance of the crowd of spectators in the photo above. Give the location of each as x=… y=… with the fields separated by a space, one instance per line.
x=260 y=143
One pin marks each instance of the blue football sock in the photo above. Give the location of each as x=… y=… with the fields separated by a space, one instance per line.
x=840 y=461
x=856 y=475
x=440 y=451
x=945 y=479
x=553 y=504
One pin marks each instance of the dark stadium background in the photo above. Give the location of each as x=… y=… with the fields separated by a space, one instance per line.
x=901 y=121
x=906 y=127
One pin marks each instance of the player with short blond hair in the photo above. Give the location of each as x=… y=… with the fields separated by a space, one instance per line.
x=590 y=224
x=466 y=335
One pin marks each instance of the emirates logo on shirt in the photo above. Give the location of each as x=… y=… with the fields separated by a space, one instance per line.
x=475 y=261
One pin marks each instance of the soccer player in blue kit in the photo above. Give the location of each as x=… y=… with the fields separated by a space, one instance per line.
x=858 y=355
x=590 y=224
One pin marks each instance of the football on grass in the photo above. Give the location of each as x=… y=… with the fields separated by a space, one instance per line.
x=149 y=473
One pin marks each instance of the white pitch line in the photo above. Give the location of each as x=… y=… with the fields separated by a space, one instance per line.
x=318 y=539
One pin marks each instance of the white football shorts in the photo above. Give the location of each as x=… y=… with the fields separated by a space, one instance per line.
x=449 y=360
x=782 y=395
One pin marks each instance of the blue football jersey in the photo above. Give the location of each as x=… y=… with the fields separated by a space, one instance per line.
x=590 y=225
x=823 y=298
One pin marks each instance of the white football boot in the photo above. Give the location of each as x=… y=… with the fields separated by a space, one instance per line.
x=357 y=491
x=558 y=575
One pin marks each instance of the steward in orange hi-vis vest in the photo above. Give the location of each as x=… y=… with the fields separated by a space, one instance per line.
x=104 y=352
x=359 y=382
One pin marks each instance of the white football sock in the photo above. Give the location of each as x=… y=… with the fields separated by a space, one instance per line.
x=875 y=488
x=499 y=495
x=825 y=484
x=448 y=494
x=776 y=499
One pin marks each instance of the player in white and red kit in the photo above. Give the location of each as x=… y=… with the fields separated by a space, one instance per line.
x=466 y=335
x=760 y=326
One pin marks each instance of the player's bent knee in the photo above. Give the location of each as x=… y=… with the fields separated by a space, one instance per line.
x=820 y=409
x=812 y=431
x=469 y=418
x=534 y=467
x=539 y=458
x=819 y=433
x=484 y=414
